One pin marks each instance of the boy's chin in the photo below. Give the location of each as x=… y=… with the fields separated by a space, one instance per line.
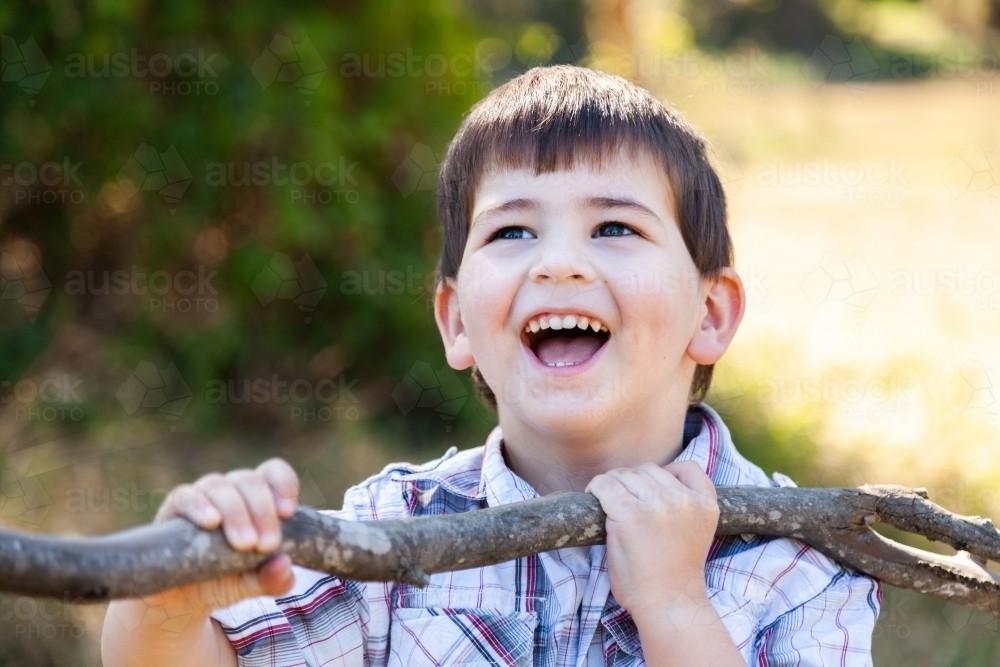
x=572 y=421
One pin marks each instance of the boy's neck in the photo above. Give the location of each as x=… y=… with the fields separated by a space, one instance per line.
x=552 y=462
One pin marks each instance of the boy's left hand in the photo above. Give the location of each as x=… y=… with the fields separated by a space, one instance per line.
x=661 y=522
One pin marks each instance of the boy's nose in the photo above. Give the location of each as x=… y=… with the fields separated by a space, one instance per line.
x=561 y=265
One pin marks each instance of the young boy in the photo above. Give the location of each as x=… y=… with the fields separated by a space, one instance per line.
x=586 y=279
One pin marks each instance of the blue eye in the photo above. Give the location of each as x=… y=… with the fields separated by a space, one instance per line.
x=512 y=233
x=614 y=229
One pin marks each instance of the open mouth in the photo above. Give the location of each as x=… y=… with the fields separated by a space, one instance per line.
x=564 y=340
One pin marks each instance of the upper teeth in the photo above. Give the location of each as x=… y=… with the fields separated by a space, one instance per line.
x=563 y=322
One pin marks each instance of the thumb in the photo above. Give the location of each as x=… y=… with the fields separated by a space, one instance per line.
x=273 y=578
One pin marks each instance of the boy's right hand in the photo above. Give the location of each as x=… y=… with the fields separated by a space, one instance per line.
x=248 y=505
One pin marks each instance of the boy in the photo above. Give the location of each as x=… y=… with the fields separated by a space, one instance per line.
x=586 y=279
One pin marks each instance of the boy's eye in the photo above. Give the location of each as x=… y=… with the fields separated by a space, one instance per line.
x=614 y=229
x=512 y=233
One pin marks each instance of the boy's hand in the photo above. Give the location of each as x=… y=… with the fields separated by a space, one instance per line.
x=661 y=522
x=248 y=505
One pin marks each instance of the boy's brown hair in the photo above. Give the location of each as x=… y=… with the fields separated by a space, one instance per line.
x=550 y=116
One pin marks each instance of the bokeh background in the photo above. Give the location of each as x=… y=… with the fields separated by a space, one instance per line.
x=217 y=235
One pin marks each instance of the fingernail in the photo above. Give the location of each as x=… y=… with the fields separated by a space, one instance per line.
x=247 y=535
x=268 y=538
x=286 y=505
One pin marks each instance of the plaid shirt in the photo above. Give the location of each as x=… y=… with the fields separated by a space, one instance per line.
x=783 y=602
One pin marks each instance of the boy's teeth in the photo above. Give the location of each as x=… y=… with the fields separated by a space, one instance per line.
x=558 y=322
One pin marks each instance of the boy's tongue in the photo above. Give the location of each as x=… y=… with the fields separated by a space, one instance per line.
x=568 y=349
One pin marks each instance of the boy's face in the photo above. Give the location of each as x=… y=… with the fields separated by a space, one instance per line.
x=578 y=300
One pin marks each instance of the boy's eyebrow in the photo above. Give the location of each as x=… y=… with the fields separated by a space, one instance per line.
x=521 y=205
x=509 y=206
x=620 y=202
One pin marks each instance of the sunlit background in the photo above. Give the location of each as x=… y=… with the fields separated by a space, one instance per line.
x=217 y=232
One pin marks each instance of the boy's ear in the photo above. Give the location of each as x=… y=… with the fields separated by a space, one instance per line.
x=448 y=315
x=725 y=302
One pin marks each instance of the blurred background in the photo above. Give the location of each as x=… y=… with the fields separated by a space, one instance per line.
x=218 y=236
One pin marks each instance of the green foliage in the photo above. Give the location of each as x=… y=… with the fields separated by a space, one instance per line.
x=363 y=120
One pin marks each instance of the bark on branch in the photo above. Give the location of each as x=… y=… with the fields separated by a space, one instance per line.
x=837 y=522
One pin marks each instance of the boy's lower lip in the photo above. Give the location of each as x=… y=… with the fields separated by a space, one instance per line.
x=563 y=371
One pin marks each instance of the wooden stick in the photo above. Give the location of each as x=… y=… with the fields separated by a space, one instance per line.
x=837 y=522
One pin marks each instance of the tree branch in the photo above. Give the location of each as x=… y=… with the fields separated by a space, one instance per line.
x=837 y=522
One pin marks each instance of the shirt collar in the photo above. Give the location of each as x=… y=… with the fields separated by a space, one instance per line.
x=713 y=450
x=479 y=474
x=500 y=484
x=482 y=474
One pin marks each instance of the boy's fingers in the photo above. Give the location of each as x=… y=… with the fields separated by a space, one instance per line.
x=611 y=493
x=692 y=476
x=639 y=484
x=236 y=523
x=259 y=501
x=227 y=591
x=661 y=475
x=276 y=576
x=169 y=508
x=284 y=484
x=188 y=502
